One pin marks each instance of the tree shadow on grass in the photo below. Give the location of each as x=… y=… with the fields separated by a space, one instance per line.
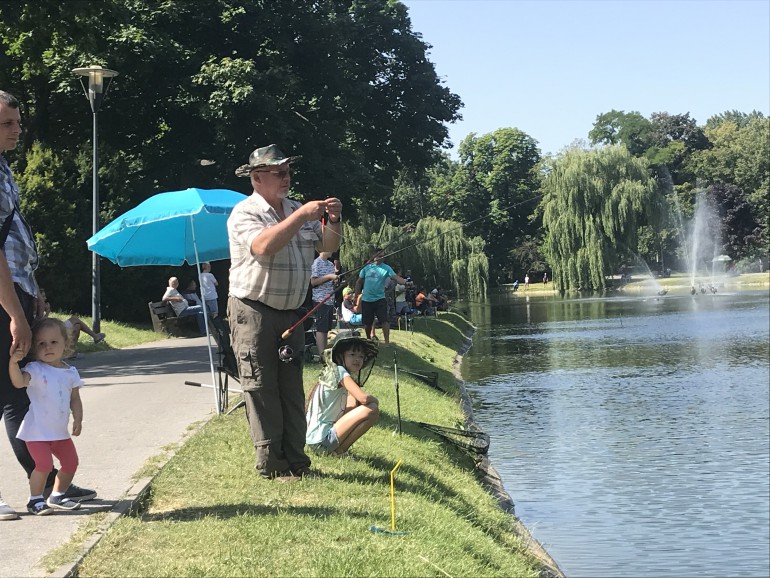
x=410 y=361
x=448 y=328
x=227 y=511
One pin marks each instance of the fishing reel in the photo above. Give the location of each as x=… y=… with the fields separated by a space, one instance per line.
x=285 y=353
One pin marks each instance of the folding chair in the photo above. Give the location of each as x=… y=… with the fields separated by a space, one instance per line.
x=407 y=319
x=311 y=349
x=227 y=364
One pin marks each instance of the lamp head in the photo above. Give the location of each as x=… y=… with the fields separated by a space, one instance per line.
x=98 y=82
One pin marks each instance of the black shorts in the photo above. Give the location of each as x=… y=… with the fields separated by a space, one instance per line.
x=324 y=318
x=370 y=310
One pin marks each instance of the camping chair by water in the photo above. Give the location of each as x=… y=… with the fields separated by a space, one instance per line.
x=406 y=318
x=311 y=349
x=227 y=364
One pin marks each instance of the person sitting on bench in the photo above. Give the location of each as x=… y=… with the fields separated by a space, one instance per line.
x=190 y=294
x=179 y=304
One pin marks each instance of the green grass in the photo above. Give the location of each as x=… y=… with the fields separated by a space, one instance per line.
x=210 y=514
x=68 y=551
x=682 y=282
x=677 y=283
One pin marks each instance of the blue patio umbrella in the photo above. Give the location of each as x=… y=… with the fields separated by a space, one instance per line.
x=171 y=229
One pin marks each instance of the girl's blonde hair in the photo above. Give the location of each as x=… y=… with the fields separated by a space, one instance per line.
x=46 y=322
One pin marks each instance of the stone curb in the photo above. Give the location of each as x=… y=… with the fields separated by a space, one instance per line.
x=130 y=504
x=491 y=478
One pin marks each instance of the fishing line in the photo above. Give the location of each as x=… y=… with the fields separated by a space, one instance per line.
x=406 y=229
x=437 y=235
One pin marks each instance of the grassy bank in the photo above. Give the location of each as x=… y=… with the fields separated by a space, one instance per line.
x=210 y=514
x=682 y=282
x=678 y=283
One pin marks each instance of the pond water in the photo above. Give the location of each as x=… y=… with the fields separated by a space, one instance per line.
x=633 y=434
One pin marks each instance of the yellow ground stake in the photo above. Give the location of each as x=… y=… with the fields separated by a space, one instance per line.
x=393 y=495
x=392 y=530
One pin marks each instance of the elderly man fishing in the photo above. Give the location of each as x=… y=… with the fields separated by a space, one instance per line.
x=272 y=244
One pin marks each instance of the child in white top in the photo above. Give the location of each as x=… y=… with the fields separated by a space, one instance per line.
x=53 y=388
x=339 y=411
x=209 y=289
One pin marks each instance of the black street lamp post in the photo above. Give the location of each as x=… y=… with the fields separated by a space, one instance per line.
x=95 y=81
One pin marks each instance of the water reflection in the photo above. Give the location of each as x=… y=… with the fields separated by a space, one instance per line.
x=633 y=434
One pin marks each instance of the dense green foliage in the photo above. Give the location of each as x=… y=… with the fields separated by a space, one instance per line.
x=727 y=162
x=348 y=85
x=433 y=252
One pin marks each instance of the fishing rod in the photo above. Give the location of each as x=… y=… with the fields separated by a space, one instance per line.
x=430 y=378
x=377 y=255
x=337 y=282
x=398 y=397
x=302 y=319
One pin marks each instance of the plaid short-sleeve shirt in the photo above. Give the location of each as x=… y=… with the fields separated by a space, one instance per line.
x=20 y=249
x=279 y=281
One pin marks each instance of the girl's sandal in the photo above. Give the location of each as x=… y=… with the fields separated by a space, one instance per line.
x=99 y=337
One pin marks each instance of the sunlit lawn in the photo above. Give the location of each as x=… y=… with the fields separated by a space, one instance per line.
x=211 y=515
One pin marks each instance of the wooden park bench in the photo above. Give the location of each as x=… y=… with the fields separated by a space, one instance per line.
x=165 y=321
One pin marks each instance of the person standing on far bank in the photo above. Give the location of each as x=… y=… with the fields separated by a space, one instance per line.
x=273 y=240
x=20 y=301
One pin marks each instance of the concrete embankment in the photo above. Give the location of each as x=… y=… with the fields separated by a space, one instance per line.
x=490 y=476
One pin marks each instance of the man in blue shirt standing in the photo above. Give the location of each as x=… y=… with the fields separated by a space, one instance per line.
x=373 y=303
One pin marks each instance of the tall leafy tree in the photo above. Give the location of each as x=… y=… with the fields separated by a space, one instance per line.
x=668 y=142
x=740 y=157
x=436 y=252
x=494 y=189
x=620 y=127
x=739 y=232
x=593 y=203
x=345 y=83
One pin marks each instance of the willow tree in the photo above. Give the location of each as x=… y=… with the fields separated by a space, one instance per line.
x=593 y=203
x=434 y=251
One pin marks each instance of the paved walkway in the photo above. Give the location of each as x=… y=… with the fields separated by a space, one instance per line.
x=135 y=403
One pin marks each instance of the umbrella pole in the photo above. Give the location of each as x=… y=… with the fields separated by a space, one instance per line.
x=217 y=400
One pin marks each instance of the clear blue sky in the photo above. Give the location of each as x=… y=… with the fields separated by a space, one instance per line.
x=549 y=67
